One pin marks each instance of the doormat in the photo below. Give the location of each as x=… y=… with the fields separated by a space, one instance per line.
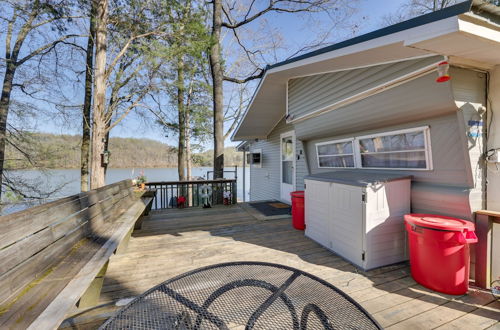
x=280 y=205
x=271 y=208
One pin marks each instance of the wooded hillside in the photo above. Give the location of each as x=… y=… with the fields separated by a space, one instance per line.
x=63 y=151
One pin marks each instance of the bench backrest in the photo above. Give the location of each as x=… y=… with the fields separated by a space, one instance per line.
x=33 y=240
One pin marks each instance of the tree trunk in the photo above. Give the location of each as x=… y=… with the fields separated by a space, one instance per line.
x=106 y=149
x=189 y=162
x=217 y=81
x=181 y=152
x=4 y=112
x=97 y=178
x=87 y=105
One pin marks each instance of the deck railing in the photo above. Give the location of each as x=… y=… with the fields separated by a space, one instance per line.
x=222 y=191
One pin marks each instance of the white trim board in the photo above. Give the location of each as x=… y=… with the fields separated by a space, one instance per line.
x=294 y=162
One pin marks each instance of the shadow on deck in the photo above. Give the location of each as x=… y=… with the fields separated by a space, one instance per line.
x=175 y=241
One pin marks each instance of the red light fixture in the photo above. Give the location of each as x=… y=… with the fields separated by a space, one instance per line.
x=442 y=69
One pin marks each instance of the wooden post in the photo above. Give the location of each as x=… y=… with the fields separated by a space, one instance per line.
x=484 y=230
x=147 y=197
x=234 y=192
x=91 y=296
x=122 y=247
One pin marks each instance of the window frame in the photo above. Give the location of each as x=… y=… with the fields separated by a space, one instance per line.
x=357 y=150
x=256 y=151
x=427 y=149
x=339 y=155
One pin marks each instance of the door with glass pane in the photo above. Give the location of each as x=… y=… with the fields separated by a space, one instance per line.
x=287 y=165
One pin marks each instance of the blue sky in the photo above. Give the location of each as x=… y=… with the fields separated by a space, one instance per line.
x=369 y=15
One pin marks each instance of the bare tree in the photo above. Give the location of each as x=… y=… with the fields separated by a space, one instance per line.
x=97 y=178
x=122 y=69
x=87 y=103
x=25 y=20
x=413 y=8
x=234 y=16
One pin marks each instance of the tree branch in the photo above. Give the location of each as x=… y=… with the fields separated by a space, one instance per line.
x=247 y=79
x=124 y=50
x=308 y=6
x=47 y=48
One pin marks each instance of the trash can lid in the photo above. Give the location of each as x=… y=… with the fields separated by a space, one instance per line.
x=298 y=193
x=434 y=221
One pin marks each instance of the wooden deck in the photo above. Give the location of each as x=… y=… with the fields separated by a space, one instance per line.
x=176 y=241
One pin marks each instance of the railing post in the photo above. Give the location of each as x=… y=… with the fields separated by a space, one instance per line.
x=167 y=193
x=234 y=192
x=484 y=227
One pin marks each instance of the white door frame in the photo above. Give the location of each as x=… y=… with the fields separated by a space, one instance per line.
x=282 y=135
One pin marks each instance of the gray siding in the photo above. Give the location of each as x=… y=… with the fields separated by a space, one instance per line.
x=265 y=181
x=443 y=190
x=469 y=90
x=308 y=94
x=301 y=167
x=416 y=100
x=447 y=153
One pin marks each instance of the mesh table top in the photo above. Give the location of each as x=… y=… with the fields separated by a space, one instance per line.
x=243 y=295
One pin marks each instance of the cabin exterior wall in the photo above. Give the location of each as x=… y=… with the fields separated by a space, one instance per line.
x=455 y=185
x=444 y=189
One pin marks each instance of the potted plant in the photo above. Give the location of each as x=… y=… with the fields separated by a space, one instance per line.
x=227 y=197
x=141 y=181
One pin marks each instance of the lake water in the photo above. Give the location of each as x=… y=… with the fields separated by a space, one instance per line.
x=70 y=180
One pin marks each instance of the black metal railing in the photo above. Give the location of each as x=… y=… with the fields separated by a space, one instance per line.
x=176 y=194
x=233 y=173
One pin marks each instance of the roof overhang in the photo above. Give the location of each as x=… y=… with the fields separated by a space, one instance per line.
x=465 y=37
x=243 y=146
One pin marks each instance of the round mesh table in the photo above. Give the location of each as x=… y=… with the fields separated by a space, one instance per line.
x=243 y=295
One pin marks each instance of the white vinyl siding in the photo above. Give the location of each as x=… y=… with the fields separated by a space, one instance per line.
x=312 y=93
x=265 y=181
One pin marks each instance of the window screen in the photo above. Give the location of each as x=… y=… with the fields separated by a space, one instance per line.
x=335 y=154
x=405 y=150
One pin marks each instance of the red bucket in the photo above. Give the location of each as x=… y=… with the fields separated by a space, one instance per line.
x=298 y=220
x=439 y=251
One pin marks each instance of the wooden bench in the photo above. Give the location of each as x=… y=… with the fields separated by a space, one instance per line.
x=485 y=220
x=54 y=256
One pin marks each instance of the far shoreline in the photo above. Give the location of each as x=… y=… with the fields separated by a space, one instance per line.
x=110 y=168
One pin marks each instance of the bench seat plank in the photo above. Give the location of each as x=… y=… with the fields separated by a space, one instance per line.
x=56 y=312
x=18 y=225
x=35 y=266
x=48 y=299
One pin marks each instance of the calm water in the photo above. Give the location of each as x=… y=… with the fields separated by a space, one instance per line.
x=69 y=180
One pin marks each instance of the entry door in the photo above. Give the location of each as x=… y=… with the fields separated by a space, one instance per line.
x=287 y=165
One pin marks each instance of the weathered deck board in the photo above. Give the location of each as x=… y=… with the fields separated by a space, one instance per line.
x=176 y=241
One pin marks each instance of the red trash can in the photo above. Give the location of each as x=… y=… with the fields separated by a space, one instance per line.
x=298 y=210
x=439 y=251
